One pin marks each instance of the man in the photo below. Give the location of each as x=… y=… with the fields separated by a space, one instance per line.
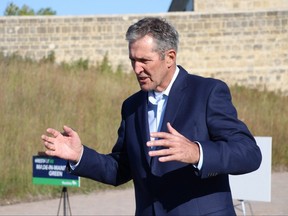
x=179 y=136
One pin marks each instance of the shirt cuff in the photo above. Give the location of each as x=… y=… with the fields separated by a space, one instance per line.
x=200 y=163
x=72 y=164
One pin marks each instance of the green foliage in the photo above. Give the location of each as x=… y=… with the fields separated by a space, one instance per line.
x=119 y=70
x=81 y=64
x=78 y=65
x=13 y=10
x=46 y=12
x=105 y=66
x=50 y=58
x=25 y=10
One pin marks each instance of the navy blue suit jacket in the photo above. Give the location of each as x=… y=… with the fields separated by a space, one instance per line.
x=201 y=110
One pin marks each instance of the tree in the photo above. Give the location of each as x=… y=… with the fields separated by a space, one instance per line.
x=46 y=12
x=13 y=10
x=26 y=11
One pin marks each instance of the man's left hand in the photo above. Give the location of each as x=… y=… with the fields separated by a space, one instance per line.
x=176 y=147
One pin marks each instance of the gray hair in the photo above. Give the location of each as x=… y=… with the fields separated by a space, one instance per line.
x=165 y=35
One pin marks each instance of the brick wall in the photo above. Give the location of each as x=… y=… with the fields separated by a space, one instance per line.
x=248 y=48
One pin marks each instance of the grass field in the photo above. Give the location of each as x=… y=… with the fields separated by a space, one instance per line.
x=34 y=96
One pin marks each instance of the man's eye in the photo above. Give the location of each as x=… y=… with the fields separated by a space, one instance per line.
x=144 y=61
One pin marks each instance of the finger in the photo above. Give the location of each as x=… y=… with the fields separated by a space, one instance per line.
x=164 y=135
x=68 y=131
x=49 y=146
x=50 y=153
x=167 y=158
x=162 y=152
x=47 y=138
x=164 y=155
x=161 y=135
x=53 y=132
x=172 y=130
x=161 y=142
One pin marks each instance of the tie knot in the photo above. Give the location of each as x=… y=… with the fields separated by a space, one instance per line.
x=154 y=98
x=158 y=96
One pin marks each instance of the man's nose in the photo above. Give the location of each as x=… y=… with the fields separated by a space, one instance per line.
x=138 y=67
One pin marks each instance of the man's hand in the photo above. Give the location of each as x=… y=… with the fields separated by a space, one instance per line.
x=176 y=147
x=66 y=145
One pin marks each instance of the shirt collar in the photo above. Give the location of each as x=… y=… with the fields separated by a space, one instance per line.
x=167 y=90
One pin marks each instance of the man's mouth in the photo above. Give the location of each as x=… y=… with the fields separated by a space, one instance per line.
x=142 y=79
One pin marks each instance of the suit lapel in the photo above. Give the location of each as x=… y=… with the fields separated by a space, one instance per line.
x=176 y=96
x=142 y=117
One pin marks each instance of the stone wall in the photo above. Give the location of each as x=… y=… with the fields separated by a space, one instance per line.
x=236 y=5
x=249 y=48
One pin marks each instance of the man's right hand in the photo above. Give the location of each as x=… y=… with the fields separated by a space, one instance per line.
x=66 y=145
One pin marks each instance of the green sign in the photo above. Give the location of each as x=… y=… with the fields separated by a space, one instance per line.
x=52 y=171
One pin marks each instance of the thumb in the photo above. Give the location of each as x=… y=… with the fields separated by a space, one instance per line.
x=68 y=131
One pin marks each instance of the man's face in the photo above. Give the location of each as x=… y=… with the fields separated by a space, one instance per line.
x=153 y=72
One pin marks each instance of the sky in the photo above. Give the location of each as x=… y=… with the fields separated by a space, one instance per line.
x=93 y=7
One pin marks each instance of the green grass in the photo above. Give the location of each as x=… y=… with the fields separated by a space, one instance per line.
x=34 y=96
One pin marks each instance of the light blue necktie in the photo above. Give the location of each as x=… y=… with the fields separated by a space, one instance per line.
x=155 y=118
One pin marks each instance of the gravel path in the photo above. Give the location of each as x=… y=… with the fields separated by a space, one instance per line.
x=121 y=202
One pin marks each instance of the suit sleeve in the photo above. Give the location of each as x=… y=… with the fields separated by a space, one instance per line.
x=231 y=149
x=112 y=169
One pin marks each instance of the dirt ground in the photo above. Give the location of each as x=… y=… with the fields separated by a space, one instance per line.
x=121 y=202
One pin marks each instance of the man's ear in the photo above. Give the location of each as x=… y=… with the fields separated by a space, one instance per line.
x=170 y=57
